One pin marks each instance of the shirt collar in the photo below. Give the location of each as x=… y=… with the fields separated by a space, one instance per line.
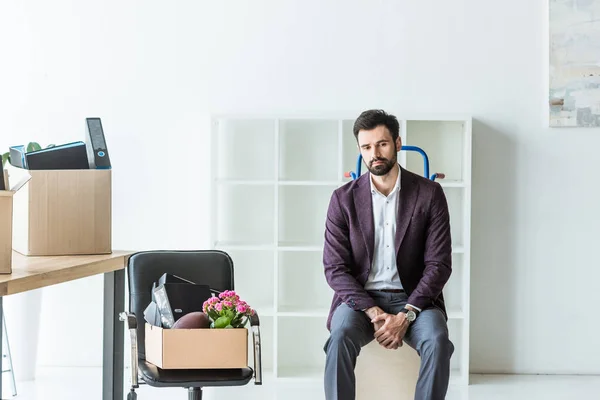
x=396 y=186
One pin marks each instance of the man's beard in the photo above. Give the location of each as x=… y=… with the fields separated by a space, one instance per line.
x=384 y=168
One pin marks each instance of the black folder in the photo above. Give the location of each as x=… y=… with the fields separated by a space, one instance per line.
x=66 y=156
x=174 y=300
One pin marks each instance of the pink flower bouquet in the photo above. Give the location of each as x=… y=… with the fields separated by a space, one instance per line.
x=227 y=310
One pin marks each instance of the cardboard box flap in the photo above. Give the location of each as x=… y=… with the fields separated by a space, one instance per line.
x=17 y=185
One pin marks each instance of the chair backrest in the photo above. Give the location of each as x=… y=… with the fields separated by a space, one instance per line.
x=208 y=267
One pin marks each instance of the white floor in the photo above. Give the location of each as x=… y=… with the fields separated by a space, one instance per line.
x=85 y=383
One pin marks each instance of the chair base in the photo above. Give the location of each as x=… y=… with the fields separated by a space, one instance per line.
x=194 y=393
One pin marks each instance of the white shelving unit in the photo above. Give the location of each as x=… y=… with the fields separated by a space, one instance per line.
x=272 y=181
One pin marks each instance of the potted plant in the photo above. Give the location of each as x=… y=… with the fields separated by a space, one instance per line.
x=227 y=310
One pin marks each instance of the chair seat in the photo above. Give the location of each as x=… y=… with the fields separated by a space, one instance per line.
x=155 y=376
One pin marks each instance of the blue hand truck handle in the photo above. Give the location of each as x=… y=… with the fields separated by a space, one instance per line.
x=355 y=175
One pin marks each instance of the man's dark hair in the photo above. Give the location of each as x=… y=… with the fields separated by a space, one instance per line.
x=371 y=119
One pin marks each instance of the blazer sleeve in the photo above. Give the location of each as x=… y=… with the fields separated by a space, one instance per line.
x=337 y=259
x=438 y=252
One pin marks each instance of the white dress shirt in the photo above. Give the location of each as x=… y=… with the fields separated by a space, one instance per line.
x=384 y=272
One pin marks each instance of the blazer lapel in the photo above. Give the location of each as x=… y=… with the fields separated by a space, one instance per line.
x=409 y=194
x=364 y=210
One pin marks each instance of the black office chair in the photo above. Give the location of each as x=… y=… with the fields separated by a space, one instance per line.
x=209 y=267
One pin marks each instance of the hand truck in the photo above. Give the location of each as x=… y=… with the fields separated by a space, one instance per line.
x=438 y=175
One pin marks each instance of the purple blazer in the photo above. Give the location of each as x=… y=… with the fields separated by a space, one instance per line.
x=423 y=242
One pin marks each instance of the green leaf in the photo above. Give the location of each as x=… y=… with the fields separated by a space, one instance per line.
x=33 y=146
x=50 y=145
x=222 y=322
x=5 y=159
x=213 y=314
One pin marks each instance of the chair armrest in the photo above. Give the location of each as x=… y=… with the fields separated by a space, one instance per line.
x=255 y=326
x=131 y=322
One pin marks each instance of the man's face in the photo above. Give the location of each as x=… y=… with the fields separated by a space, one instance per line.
x=378 y=150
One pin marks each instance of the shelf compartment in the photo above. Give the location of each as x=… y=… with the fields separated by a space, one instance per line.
x=453 y=291
x=444 y=143
x=456 y=206
x=267 y=333
x=250 y=266
x=242 y=145
x=455 y=331
x=302 y=213
x=245 y=215
x=350 y=150
x=300 y=353
x=303 y=289
x=308 y=150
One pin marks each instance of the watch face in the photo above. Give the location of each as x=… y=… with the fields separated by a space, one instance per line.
x=411 y=316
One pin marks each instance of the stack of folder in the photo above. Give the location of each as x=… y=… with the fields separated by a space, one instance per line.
x=66 y=156
x=75 y=155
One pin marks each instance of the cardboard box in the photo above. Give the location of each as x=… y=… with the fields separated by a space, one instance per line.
x=196 y=348
x=6 y=222
x=63 y=212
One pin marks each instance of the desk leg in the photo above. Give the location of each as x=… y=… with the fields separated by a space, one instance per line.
x=113 y=347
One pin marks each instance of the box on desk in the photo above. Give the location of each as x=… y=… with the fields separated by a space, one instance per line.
x=63 y=212
x=6 y=221
x=196 y=348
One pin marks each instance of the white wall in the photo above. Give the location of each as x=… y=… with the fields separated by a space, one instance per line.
x=154 y=70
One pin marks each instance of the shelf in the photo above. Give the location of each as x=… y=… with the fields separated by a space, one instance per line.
x=458 y=249
x=273 y=183
x=291 y=311
x=301 y=282
x=302 y=213
x=444 y=143
x=453 y=291
x=448 y=183
x=236 y=224
x=283 y=246
x=246 y=159
x=242 y=182
x=239 y=245
x=308 y=150
x=300 y=347
x=294 y=246
x=309 y=183
x=249 y=265
x=456 y=206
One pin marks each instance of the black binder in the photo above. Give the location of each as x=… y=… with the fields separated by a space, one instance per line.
x=174 y=300
x=97 y=150
x=66 y=156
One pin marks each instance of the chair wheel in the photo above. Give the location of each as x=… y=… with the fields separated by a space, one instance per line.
x=132 y=395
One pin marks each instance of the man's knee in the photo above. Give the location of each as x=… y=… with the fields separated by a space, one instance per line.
x=344 y=335
x=438 y=344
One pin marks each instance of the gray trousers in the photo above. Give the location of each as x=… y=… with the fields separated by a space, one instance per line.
x=351 y=330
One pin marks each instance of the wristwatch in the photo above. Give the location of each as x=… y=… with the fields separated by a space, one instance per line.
x=410 y=314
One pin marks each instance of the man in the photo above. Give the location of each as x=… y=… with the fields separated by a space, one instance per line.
x=387 y=256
